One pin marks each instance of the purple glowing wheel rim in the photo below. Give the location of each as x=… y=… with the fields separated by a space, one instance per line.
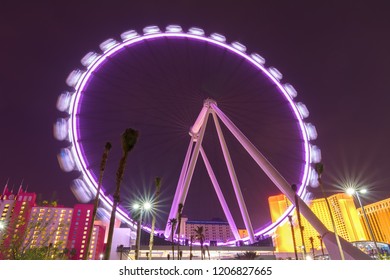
x=68 y=129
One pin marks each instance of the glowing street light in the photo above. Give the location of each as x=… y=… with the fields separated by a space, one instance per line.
x=353 y=191
x=139 y=209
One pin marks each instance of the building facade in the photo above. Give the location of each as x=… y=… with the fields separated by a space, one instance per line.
x=15 y=213
x=79 y=230
x=378 y=215
x=214 y=231
x=344 y=213
x=49 y=227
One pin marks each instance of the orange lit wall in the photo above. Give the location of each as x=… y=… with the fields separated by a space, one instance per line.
x=378 y=215
x=344 y=213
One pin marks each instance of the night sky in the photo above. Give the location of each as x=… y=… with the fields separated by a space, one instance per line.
x=335 y=54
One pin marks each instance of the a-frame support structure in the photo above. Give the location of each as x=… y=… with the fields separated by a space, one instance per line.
x=195 y=147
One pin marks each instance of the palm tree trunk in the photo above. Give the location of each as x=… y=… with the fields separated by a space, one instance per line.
x=173 y=244
x=96 y=203
x=129 y=139
x=116 y=197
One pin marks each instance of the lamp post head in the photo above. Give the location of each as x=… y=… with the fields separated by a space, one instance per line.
x=136 y=206
x=147 y=206
x=351 y=191
x=294 y=187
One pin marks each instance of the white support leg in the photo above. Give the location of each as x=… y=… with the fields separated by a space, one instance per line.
x=179 y=188
x=233 y=177
x=198 y=138
x=221 y=198
x=350 y=251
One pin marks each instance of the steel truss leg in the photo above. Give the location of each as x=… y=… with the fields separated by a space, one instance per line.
x=189 y=167
x=179 y=188
x=221 y=198
x=233 y=178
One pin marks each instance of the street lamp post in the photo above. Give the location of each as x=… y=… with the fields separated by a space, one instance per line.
x=140 y=209
x=352 y=191
x=322 y=245
x=301 y=228
x=293 y=236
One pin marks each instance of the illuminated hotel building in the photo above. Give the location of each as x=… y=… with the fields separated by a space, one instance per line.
x=378 y=215
x=344 y=212
x=96 y=248
x=15 y=211
x=49 y=226
x=79 y=230
x=214 y=230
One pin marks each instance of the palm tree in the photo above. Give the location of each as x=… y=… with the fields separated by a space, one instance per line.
x=172 y=224
x=199 y=235
x=312 y=245
x=191 y=241
x=151 y=240
x=322 y=246
x=179 y=214
x=129 y=139
x=96 y=203
x=319 y=168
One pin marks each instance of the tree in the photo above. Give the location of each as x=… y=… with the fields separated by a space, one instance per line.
x=151 y=240
x=199 y=235
x=319 y=168
x=172 y=224
x=129 y=139
x=322 y=245
x=96 y=202
x=179 y=214
x=191 y=241
x=311 y=239
x=24 y=244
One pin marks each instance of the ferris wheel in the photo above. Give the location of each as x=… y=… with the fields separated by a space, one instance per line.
x=168 y=84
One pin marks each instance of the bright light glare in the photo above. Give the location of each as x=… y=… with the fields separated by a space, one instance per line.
x=363 y=191
x=147 y=205
x=136 y=206
x=350 y=191
x=2 y=225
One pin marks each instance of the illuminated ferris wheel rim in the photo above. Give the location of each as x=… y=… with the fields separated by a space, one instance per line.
x=92 y=61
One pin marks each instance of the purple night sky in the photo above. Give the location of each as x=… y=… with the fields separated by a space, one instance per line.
x=335 y=54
